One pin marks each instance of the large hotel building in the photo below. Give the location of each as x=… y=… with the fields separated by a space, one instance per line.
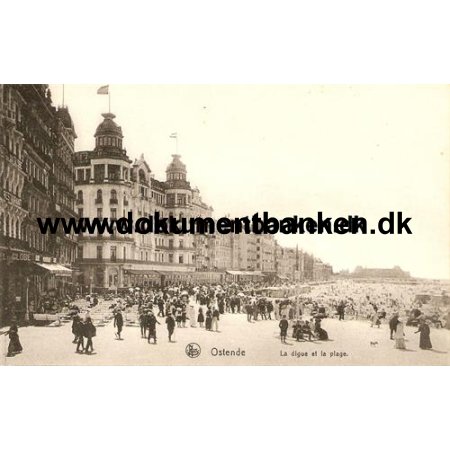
x=42 y=176
x=109 y=184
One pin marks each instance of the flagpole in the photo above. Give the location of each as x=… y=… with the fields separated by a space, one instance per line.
x=175 y=136
x=63 y=96
x=109 y=99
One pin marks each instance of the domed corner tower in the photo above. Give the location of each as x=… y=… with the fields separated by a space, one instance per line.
x=109 y=138
x=178 y=189
x=105 y=191
x=176 y=170
x=178 y=204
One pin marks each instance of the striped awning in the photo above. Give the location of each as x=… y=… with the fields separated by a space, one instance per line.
x=56 y=269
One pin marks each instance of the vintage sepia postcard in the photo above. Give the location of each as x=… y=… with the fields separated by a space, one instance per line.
x=224 y=225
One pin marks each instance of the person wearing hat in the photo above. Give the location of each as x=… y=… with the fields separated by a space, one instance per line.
x=89 y=332
x=341 y=310
x=14 y=346
x=79 y=333
x=284 y=325
x=170 y=322
x=249 y=310
x=183 y=315
x=424 y=339
x=393 y=322
x=269 y=308
x=178 y=316
x=208 y=320
x=161 y=305
x=75 y=323
x=192 y=316
x=118 y=322
x=399 y=335
x=151 y=323
x=200 y=317
x=143 y=323
x=215 y=320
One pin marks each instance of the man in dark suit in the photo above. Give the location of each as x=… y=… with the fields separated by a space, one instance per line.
x=118 y=322
x=393 y=322
x=341 y=310
x=151 y=324
x=284 y=325
x=170 y=322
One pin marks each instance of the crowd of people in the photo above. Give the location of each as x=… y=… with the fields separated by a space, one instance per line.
x=299 y=310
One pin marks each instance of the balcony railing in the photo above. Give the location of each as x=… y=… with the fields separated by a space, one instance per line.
x=14 y=243
x=113 y=201
x=98 y=201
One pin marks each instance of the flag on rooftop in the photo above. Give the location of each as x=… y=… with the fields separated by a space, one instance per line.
x=104 y=90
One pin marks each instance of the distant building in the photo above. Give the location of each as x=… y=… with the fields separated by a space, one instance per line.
x=321 y=271
x=363 y=272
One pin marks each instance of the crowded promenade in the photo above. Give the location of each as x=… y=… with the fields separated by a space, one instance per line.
x=343 y=322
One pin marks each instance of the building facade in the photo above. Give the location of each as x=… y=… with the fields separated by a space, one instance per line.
x=36 y=180
x=108 y=184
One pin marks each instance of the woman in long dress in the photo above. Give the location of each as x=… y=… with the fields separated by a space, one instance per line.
x=192 y=318
x=208 y=321
x=14 y=346
x=399 y=336
x=200 y=317
x=375 y=319
x=424 y=341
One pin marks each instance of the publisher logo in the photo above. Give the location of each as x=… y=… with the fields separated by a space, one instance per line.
x=193 y=350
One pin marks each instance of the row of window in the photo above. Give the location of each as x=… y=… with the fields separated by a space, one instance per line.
x=112 y=173
x=11 y=182
x=12 y=227
x=145 y=256
x=63 y=176
x=181 y=199
x=172 y=199
x=12 y=145
x=178 y=199
x=159 y=198
x=99 y=197
x=36 y=172
x=107 y=141
x=172 y=176
x=35 y=205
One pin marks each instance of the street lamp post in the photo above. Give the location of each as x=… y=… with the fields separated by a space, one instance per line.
x=27 y=309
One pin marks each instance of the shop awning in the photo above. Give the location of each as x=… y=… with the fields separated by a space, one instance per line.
x=170 y=273
x=244 y=273
x=142 y=272
x=55 y=269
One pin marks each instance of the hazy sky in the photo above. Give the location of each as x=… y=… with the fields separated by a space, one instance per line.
x=288 y=150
